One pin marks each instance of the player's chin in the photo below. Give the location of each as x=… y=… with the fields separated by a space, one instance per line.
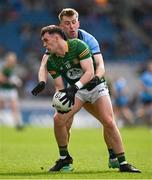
x=72 y=35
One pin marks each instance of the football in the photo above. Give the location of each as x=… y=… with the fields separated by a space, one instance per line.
x=57 y=104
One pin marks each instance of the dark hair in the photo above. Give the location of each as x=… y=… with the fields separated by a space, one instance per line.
x=51 y=29
x=68 y=12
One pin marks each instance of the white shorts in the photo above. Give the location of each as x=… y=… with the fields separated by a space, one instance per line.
x=91 y=96
x=7 y=94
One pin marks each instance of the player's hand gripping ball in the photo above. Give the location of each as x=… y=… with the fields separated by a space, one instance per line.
x=59 y=105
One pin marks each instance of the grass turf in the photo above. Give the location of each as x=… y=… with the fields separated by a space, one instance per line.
x=29 y=153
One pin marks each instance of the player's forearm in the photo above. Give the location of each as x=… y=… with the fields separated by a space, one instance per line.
x=87 y=76
x=42 y=74
x=88 y=69
x=100 y=71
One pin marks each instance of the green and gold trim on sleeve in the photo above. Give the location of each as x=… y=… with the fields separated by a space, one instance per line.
x=84 y=53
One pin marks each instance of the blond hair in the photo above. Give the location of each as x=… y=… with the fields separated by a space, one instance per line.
x=67 y=12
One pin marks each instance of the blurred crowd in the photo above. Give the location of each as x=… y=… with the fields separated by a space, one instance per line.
x=142 y=15
x=133 y=108
x=21 y=21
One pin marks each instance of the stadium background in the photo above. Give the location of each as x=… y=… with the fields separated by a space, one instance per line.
x=123 y=29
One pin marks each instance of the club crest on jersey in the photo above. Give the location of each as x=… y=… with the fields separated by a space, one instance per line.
x=74 y=73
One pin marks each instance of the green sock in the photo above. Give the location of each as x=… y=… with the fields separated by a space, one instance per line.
x=121 y=158
x=63 y=151
x=112 y=154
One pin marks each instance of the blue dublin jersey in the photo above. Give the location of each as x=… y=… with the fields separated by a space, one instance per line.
x=90 y=41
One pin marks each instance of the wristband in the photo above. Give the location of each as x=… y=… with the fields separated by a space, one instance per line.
x=79 y=84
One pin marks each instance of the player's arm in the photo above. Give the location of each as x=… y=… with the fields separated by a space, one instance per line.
x=43 y=73
x=88 y=69
x=86 y=64
x=95 y=50
x=42 y=76
x=100 y=70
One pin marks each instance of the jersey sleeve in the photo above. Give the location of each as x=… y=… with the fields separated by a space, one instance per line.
x=93 y=45
x=83 y=51
x=90 y=41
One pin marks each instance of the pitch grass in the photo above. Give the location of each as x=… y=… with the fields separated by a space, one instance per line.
x=29 y=153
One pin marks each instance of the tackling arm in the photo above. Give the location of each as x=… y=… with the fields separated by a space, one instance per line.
x=100 y=70
x=98 y=73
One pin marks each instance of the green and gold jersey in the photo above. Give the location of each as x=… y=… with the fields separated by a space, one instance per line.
x=7 y=72
x=69 y=66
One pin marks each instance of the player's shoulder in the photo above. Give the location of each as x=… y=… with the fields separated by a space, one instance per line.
x=89 y=39
x=84 y=34
x=77 y=45
x=75 y=41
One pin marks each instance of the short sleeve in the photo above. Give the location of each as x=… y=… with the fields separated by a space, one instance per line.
x=83 y=51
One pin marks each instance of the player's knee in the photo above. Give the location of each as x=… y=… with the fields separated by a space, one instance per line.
x=109 y=123
x=58 y=121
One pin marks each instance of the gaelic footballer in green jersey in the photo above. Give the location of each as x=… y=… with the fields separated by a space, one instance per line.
x=65 y=59
x=9 y=82
x=70 y=59
x=69 y=66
